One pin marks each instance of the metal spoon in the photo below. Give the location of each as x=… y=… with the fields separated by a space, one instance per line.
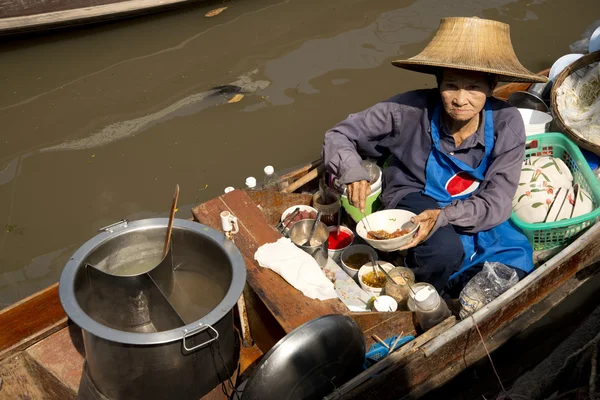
x=367 y=226
x=375 y=263
x=312 y=230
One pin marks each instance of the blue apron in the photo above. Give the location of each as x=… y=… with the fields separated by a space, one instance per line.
x=449 y=179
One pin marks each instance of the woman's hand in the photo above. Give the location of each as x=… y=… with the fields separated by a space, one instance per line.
x=358 y=193
x=426 y=221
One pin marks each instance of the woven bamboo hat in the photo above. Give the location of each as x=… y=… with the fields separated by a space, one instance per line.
x=472 y=44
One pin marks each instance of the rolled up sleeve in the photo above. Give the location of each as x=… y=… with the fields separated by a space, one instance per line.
x=357 y=136
x=491 y=205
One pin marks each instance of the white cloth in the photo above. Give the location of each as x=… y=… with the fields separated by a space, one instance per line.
x=297 y=267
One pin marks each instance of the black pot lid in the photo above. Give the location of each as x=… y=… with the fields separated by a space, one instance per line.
x=309 y=362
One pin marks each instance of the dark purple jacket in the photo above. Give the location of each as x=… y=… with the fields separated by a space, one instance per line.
x=400 y=126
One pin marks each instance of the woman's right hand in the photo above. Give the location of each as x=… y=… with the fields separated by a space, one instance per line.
x=358 y=193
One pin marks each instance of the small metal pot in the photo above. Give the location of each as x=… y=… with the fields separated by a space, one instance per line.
x=299 y=233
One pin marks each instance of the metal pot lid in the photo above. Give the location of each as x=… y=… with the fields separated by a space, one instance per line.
x=310 y=362
x=84 y=321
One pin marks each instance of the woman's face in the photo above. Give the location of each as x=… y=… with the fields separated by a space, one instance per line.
x=464 y=93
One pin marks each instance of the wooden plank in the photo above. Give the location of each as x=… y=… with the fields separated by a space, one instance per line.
x=264 y=328
x=23 y=378
x=502 y=92
x=384 y=324
x=62 y=355
x=273 y=204
x=85 y=15
x=30 y=320
x=10 y=8
x=288 y=305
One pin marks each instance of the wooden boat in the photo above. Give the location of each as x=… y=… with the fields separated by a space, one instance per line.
x=41 y=355
x=34 y=15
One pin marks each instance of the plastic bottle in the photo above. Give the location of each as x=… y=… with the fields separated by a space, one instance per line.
x=271 y=181
x=229 y=189
x=430 y=308
x=251 y=183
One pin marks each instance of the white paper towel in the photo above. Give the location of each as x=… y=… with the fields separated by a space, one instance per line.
x=297 y=267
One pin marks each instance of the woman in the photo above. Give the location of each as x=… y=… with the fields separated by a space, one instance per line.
x=455 y=153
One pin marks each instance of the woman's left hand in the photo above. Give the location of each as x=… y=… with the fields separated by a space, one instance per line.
x=426 y=221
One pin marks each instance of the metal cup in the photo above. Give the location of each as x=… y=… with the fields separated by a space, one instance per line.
x=299 y=234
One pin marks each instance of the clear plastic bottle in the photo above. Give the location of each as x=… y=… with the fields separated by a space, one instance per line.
x=271 y=181
x=251 y=183
x=430 y=308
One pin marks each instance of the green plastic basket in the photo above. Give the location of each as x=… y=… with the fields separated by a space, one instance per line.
x=544 y=236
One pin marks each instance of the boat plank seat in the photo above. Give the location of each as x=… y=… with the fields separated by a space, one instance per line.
x=270 y=299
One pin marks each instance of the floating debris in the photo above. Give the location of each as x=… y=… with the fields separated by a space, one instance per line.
x=215 y=12
x=236 y=98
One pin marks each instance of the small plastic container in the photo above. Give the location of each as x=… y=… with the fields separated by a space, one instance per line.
x=385 y=304
x=430 y=308
x=403 y=277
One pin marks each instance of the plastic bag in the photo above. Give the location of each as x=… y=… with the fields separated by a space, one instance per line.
x=581 y=46
x=493 y=280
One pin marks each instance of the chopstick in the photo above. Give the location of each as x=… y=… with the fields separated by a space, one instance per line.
x=396 y=342
x=380 y=341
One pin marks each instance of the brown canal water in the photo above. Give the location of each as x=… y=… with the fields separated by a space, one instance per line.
x=99 y=124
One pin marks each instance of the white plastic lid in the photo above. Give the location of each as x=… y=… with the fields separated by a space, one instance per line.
x=251 y=181
x=229 y=189
x=427 y=298
x=269 y=170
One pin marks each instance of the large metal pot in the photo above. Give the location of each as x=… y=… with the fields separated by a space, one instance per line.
x=149 y=335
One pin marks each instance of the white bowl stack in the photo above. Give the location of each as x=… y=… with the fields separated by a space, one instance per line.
x=535 y=121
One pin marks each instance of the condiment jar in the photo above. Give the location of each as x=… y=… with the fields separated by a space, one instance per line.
x=431 y=309
x=403 y=277
x=329 y=206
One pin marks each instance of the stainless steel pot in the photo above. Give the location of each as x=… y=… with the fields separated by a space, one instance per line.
x=155 y=336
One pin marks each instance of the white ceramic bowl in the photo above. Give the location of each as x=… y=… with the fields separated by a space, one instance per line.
x=525 y=191
x=389 y=221
x=567 y=207
x=562 y=63
x=554 y=168
x=354 y=249
x=368 y=268
x=594 y=44
x=385 y=304
x=335 y=254
x=583 y=203
x=559 y=199
x=292 y=208
x=551 y=170
x=536 y=208
x=535 y=121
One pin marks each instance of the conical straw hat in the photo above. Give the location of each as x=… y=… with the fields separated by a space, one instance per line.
x=472 y=44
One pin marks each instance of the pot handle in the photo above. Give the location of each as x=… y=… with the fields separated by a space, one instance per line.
x=194 y=331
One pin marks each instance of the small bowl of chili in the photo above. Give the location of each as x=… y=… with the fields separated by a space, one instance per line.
x=339 y=243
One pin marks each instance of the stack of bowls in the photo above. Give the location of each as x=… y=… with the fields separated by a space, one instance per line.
x=535 y=121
